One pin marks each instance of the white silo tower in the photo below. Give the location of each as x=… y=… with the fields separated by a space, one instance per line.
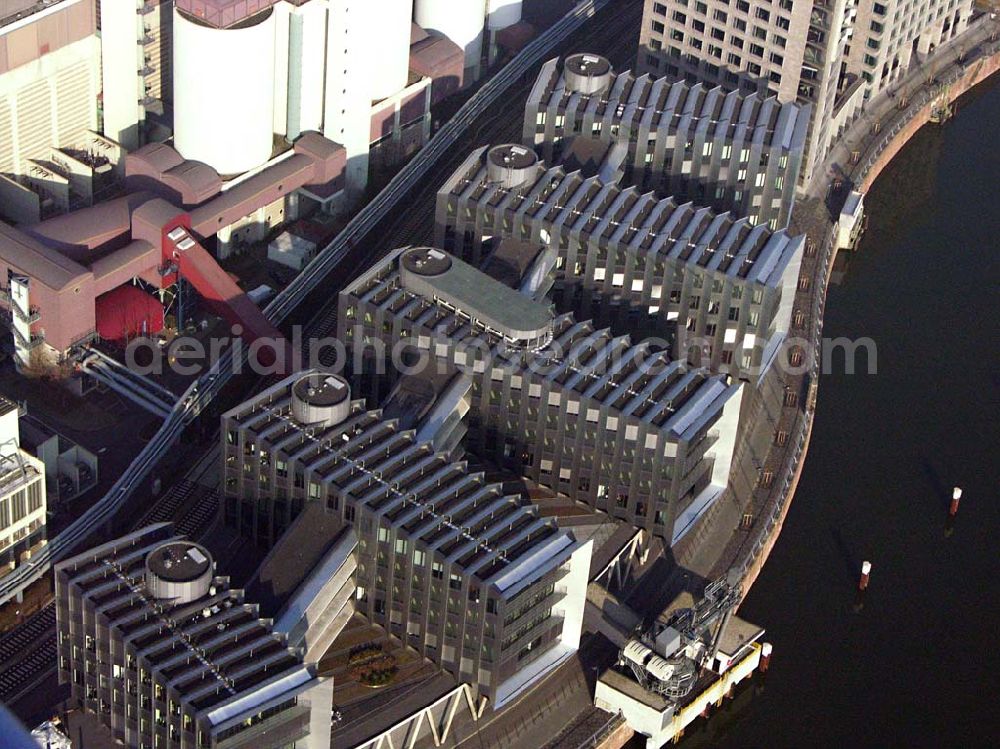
x=223 y=91
x=388 y=29
x=462 y=21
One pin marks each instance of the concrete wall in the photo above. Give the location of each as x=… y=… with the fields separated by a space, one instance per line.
x=48 y=101
x=975 y=74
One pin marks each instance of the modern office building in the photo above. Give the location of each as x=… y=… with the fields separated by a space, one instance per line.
x=615 y=425
x=158 y=646
x=735 y=151
x=22 y=494
x=890 y=36
x=719 y=288
x=794 y=50
x=467 y=574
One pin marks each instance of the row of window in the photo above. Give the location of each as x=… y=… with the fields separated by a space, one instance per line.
x=20 y=504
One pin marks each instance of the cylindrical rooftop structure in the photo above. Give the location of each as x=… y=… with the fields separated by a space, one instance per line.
x=587 y=73
x=462 y=21
x=224 y=91
x=321 y=399
x=179 y=572
x=511 y=164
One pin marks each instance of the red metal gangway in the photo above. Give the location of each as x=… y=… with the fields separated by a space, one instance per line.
x=184 y=254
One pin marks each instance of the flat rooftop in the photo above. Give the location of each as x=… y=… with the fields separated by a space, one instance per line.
x=437 y=275
x=179 y=561
x=510 y=262
x=15 y=10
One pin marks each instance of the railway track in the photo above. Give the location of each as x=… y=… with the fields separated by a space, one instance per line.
x=200 y=516
x=168 y=505
x=28 y=654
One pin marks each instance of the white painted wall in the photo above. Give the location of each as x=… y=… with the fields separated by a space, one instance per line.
x=223 y=95
x=573 y=605
x=314 y=30
x=347 y=103
x=462 y=21
x=121 y=56
x=728 y=427
x=49 y=102
x=282 y=11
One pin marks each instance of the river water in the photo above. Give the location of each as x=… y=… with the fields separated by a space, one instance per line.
x=918 y=662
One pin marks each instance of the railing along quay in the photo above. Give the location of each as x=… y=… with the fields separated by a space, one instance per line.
x=872 y=145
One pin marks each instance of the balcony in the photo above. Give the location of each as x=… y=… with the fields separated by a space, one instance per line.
x=511 y=649
x=289 y=725
x=34 y=314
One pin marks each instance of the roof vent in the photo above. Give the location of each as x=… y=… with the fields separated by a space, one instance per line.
x=321 y=399
x=511 y=165
x=179 y=572
x=587 y=73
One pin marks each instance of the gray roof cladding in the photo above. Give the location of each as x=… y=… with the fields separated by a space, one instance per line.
x=425 y=271
x=43 y=264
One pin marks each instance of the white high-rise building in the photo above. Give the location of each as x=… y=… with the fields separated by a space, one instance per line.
x=22 y=494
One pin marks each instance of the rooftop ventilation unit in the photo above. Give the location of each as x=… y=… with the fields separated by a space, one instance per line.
x=586 y=73
x=320 y=399
x=179 y=572
x=511 y=165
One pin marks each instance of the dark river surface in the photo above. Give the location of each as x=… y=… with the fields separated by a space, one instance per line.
x=919 y=663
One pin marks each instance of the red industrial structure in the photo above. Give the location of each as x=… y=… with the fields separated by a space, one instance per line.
x=153 y=234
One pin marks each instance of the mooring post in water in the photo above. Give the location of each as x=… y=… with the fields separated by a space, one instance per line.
x=765 y=657
x=956 y=496
x=866 y=569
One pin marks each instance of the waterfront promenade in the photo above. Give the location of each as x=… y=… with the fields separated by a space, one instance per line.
x=867 y=146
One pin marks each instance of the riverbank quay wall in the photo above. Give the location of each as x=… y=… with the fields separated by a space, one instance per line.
x=973 y=74
x=869 y=148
